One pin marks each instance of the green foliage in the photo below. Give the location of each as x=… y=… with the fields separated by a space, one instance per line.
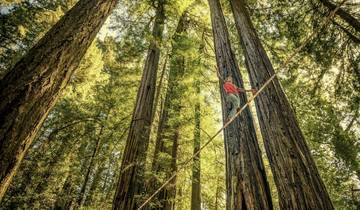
x=322 y=84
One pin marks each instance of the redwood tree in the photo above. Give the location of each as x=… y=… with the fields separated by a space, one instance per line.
x=196 y=184
x=30 y=89
x=246 y=183
x=131 y=180
x=169 y=124
x=296 y=176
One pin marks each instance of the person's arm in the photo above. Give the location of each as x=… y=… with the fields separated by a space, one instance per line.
x=241 y=90
x=225 y=88
x=253 y=91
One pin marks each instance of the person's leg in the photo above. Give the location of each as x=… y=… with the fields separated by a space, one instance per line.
x=233 y=100
x=237 y=102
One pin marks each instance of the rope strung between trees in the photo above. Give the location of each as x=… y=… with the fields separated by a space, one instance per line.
x=287 y=61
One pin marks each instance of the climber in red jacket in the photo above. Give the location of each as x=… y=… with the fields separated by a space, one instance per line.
x=232 y=95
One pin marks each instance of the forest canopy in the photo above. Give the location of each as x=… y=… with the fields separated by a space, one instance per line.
x=104 y=101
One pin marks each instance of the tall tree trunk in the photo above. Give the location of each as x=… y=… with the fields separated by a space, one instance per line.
x=158 y=142
x=167 y=195
x=247 y=187
x=159 y=87
x=81 y=198
x=347 y=17
x=296 y=176
x=31 y=88
x=131 y=181
x=196 y=187
x=168 y=132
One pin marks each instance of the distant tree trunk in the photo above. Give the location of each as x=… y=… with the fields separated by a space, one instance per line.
x=196 y=187
x=296 y=176
x=168 y=194
x=159 y=87
x=81 y=198
x=158 y=141
x=247 y=187
x=168 y=132
x=31 y=88
x=131 y=181
x=347 y=17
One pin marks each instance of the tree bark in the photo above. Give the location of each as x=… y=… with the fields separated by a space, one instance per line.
x=296 y=176
x=159 y=87
x=31 y=88
x=196 y=186
x=247 y=187
x=347 y=17
x=168 y=132
x=131 y=181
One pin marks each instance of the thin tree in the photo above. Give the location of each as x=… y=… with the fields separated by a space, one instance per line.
x=169 y=124
x=247 y=187
x=130 y=183
x=196 y=184
x=296 y=176
x=30 y=89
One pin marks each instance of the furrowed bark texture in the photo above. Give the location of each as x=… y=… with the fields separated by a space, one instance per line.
x=247 y=187
x=347 y=17
x=131 y=180
x=196 y=186
x=296 y=176
x=31 y=88
x=169 y=125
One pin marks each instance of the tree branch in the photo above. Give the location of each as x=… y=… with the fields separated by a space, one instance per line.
x=347 y=17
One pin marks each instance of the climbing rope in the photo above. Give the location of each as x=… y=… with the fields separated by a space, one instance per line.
x=287 y=61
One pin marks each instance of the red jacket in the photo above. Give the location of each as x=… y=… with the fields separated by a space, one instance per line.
x=230 y=88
